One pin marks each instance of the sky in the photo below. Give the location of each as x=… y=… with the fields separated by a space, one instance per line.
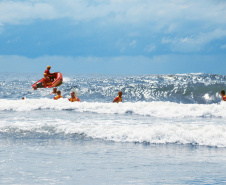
x=113 y=36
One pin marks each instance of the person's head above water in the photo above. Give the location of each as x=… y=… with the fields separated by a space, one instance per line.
x=73 y=94
x=222 y=92
x=58 y=92
x=54 y=90
x=35 y=87
x=120 y=93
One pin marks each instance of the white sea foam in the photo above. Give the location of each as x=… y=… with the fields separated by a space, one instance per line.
x=119 y=130
x=151 y=122
x=153 y=109
x=66 y=79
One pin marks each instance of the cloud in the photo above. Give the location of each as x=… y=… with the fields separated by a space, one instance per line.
x=183 y=26
x=16 y=12
x=170 y=14
x=194 y=43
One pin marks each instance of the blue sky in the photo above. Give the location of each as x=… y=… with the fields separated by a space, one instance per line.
x=113 y=36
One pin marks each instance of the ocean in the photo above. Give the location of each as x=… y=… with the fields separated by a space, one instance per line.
x=170 y=129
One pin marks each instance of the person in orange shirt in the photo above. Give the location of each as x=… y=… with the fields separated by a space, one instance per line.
x=223 y=95
x=73 y=97
x=118 y=98
x=58 y=96
x=46 y=80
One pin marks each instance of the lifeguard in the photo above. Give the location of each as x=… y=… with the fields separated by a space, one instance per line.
x=58 y=96
x=46 y=80
x=223 y=95
x=50 y=75
x=47 y=71
x=54 y=90
x=118 y=98
x=73 y=97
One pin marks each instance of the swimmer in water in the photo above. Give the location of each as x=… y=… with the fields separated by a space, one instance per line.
x=54 y=90
x=73 y=97
x=58 y=96
x=118 y=98
x=223 y=95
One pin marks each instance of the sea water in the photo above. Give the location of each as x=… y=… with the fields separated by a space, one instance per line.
x=170 y=129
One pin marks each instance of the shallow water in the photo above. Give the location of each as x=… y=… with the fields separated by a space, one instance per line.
x=87 y=161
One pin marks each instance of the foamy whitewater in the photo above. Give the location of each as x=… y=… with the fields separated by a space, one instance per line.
x=163 y=113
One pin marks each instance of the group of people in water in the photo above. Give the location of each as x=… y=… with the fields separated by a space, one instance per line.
x=49 y=78
x=74 y=98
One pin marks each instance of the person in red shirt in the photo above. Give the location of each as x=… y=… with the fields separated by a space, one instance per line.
x=47 y=70
x=118 y=98
x=50 y=75
x=58 y=96
x=73 y=97
x=223 y=95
